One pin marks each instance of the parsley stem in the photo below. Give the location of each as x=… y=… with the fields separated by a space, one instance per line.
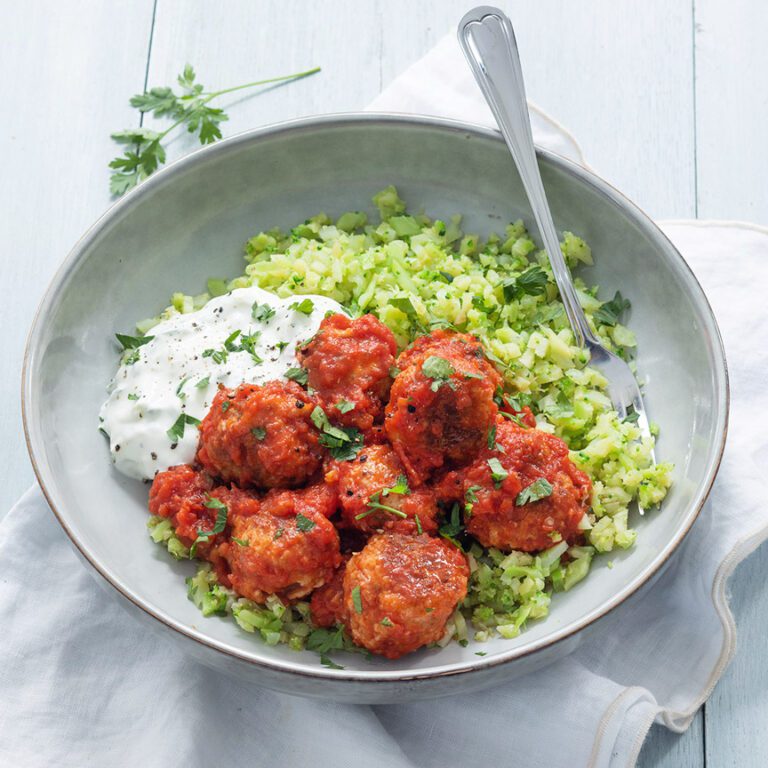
x=295 y=76
x=372 y=506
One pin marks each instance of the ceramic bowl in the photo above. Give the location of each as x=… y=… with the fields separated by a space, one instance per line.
x=190 y=221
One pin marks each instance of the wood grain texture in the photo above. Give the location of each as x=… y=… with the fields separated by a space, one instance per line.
x=618 y=73
x=68 y=71
x=732 y=109
x=737 y=712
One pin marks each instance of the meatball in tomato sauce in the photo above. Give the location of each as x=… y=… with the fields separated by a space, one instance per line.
x=374 y=494
x=400 y=591
x=261 y=436
x=281 y=550
x=348 y=366
x=441 y=406
x=527 y=495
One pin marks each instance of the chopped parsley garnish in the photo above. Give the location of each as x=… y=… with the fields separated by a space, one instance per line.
x=229 y=342
x=299 y=375
x=203 y=383
x=217 y=355
x=386 y=622
x=610 y=312
x=446 y=275
x=262 y=313
x=344 y=406
x=453 y=527
x=324 y=640
x=632 y=417
x=281 y=345
x=330 y=663
x=343 y=443
x=419 y=529
x=259 y=433
x=176 y=432
x=133 y=396
x=439 y=370
x=400 y=486
x=491 y=441
x=538 y=489
x=498 y=473
x=532 y=281
x=248 y=344
x=394 y=372
x=279 y=532
x=180 y=389
x=480 y=653
x=470 y=497
x=374 y=503
x=513 y=417
x=304 y=524
x=225 y=406
x=357 y=601
x=132 y=342
x=306 y=306
x=241 y=542
x=218 y=526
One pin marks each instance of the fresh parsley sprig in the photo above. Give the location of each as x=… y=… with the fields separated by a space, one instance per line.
x=189 y=108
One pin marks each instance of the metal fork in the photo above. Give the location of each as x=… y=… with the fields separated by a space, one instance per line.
x=488 y=41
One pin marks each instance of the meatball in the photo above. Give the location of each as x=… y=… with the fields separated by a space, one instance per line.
x=376 y=476
x=496 y=514
x=281 y=550
x=400 y=591
x=261 y=436
x=441 y=342
x=348 y=366
x=327 y=603
x=441 y=406
x=189 y=499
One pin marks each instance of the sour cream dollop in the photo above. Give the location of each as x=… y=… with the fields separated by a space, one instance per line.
x=178 y=372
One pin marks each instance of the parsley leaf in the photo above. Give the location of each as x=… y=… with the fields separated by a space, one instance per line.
x=452 y=528
x=259 y=433
x=134 y=396
x=357 y=600
x=532 y=281
x=491 y=440
x=189 y=109
x=610 y=312
x=180 y=389
x=299 y=375
x=419 y=529
x=306 y=306
x=219 y=525
x=344 y=406
x=132 y=342
x=176 y=432
x=330 y=663
x=386 y=622
x=343 y=443
x=324 y=640
x=241 y=542
x=538 y=489
x=374 y=503
x=203 y=383
x=262 y=313
x=439 y=370
x=470 y=498
x=400 y=486
x=404 y=304
x=498 y=473
x=304 y=524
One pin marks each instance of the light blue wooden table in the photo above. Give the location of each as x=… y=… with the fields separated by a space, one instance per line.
x=668 y=98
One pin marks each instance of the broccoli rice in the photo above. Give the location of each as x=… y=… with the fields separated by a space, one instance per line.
x=416 y=274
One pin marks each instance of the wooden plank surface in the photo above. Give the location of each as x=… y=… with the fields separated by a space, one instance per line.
x=619 y=74
x=68 y=69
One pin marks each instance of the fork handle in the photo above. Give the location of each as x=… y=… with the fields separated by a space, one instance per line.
x=488 y=41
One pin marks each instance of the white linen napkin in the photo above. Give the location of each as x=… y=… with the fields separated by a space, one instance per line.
x=82 y=684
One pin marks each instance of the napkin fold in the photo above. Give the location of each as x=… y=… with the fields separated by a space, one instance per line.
x=83 y=684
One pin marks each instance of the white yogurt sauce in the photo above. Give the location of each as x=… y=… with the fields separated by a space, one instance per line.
x=178 y=372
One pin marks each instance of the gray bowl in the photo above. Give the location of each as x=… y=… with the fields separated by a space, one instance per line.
x=189 y=222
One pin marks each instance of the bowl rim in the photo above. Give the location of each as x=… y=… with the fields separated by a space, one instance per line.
x=339 y=120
